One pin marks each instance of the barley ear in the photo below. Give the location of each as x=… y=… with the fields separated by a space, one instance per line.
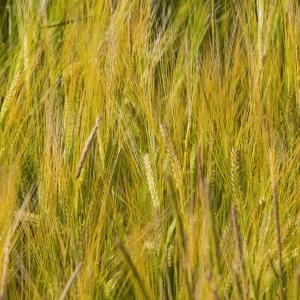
x=111 y=285
x=87 y=147
x=151 y=182
x=172 y=153
x=291 y=106
x=10 y=94
x=292 y=117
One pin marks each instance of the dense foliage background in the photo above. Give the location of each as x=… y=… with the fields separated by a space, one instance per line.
x=187 y=187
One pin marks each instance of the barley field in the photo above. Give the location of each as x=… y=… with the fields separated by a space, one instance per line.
x=149 y=149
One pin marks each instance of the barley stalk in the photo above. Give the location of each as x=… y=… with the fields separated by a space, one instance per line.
x=130 y=35
x=213 y=26
x=26 y=275
x=240 y=250
x=26 y=57
x=212 y=233
x=131 y=267
x=7 y=249
x=278 y=236
x=193 y=154
x=297 y=293
x=5 y=266
x=237 y=235
x=87 y=147
x=236 y=177
x=260 y=11
x=237 y=282
x=70 y=282
x=272 y=165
